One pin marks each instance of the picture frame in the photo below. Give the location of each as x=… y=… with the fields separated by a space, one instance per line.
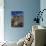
x=17 y=19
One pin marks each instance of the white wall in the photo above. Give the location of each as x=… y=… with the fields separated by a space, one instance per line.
x=1 y=20
x=43 y=6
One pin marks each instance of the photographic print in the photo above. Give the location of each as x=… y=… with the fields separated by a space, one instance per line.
x=17 y=19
